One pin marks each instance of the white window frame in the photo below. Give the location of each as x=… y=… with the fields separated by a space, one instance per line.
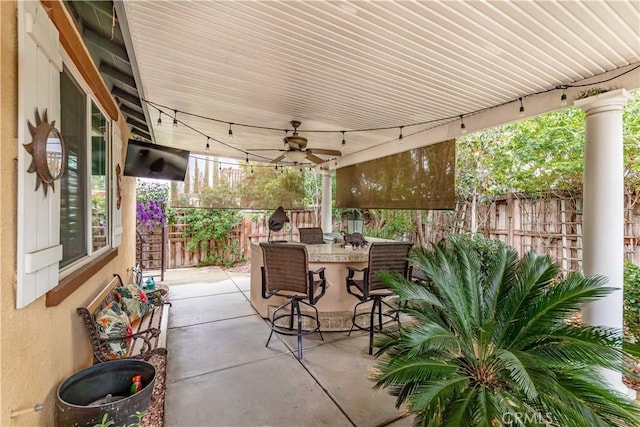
x=90 y=98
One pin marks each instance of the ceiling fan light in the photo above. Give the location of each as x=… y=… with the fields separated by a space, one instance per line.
x=296 y=156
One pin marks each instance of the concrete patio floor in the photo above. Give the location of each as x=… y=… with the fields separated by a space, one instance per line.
x=219 y=372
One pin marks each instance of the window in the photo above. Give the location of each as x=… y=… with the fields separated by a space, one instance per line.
x=84 y=204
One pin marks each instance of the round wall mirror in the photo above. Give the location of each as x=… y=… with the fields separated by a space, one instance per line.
x=55 y=154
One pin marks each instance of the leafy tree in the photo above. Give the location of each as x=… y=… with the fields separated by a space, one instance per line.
x=492 y=344
x=266 y=186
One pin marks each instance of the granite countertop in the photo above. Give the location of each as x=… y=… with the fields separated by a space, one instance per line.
x=332 y=253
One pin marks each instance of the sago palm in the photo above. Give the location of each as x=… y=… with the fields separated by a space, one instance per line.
x=492 y=343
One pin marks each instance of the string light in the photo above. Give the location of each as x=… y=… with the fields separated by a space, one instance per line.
x=160 y=118
x=427 y=122
x=247 y=159
x=343 y=140
x=463 y=128
x=230 y=131
x=207 y=146
x=563 y=97
x=251 y=169
x=400 y=136
x=521 y=107
x=175 y=118
x=276 y=167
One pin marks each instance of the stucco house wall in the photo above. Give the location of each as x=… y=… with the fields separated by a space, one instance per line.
x=39 y=346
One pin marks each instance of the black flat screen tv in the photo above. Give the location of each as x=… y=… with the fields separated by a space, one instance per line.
x=148 y=160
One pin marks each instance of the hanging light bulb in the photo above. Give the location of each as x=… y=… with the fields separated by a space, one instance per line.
x=276 y=167
x=521 y=107
x=563 y=97
x=160 y=118
x=230 y=131
x=247 y=159
x=400 y=136
x=251 y=169
x=463 y=128
x=175 y=118
x=343 y=140
x=207 y=146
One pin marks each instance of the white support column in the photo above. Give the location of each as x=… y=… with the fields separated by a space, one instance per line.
x=325 y=210
x=603 y=208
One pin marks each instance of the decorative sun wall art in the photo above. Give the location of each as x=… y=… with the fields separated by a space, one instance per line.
x=47 y=152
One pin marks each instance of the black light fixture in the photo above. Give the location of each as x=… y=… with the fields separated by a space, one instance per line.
x=230 y=131
x=463 y=128
x=563 y=97
x=247 y=159
x=521 y=107
x=160 y=118
x=400 y=136
x=343 y=140
x=207 y=146
x=175 y=118
x=355 y=223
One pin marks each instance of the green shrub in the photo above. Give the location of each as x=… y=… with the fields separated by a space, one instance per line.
x=632 y=300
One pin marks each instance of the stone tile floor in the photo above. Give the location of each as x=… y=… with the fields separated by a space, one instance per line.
x=219 y=372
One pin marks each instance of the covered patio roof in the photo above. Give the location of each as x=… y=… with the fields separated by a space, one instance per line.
x=416 y=68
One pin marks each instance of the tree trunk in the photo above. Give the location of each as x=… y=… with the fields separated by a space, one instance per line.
x=422 y=241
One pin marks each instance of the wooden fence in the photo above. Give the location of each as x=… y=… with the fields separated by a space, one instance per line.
x=237 y=245
x=551 y=224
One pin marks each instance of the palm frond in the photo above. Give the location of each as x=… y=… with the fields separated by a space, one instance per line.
x=517 y=372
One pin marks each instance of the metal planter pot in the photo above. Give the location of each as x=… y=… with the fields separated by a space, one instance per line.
x=84 y=398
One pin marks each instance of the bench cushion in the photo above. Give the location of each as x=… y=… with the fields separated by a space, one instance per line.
x=113 y=322
x=134 y=301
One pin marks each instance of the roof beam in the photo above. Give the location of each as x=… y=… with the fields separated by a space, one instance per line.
x=137 y=125
x=116 y=74
x=130 y=98
x=133 y=113
x=105 y=44
x=138 y=132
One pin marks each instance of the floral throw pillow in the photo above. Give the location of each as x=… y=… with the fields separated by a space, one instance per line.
x=134 y=301
x=112 y=322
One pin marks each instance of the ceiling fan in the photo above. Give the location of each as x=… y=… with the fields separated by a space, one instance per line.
x=296 y=149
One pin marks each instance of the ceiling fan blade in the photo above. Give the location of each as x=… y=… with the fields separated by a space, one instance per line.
x=314 y=159
x=322 y=151
x=278 y=159
x=264 y=149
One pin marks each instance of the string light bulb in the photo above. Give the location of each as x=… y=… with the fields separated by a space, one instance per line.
x=160 y=118
x=343 y=140
x=247 y=159
x=230 y=131
x=521 y=107
x=175 y=118
x=207 y=146
x=400 y=136
x=463 y=128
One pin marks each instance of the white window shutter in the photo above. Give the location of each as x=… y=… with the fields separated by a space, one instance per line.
x=40 y=63
x=117 y=165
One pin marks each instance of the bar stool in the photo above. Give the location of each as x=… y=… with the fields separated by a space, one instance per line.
x=383 y=256
x=285 y=273
x=311 y=235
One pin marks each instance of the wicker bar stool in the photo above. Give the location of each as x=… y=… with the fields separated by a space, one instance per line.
x=285 y=273
x=311 y=235
x=383 y=256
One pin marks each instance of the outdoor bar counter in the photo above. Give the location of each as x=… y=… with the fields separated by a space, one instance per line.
x=336 y=306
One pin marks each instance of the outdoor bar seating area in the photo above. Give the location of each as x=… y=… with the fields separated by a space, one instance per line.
x=338 y=283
